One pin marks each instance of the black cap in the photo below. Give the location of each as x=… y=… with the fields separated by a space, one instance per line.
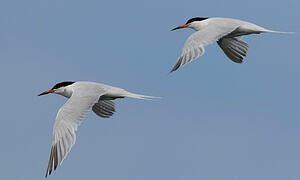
x=62 y=84
x=196 y=19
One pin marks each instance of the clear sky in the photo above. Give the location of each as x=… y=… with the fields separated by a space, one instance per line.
x=217 y=119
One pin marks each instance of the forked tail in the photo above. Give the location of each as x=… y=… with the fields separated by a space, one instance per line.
x=140 y=96
x=279 y=32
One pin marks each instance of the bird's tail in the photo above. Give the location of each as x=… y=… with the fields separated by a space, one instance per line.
x=278 y=32
x=140 y=96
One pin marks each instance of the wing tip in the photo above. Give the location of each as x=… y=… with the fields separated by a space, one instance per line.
x=176 y=66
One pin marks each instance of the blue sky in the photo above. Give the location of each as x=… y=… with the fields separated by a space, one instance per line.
x=217 y=119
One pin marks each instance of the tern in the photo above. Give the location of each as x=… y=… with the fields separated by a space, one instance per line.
x=226 y=32
x=83 y=97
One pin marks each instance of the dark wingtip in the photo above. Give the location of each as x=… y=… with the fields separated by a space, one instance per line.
x=172 y=71
x=50 y=163
x=55 y=157
x=47 y=173
x=176 y=66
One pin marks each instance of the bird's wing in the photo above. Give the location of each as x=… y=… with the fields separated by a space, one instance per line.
x=104 y=108
x=67 y=120
x=194 y=45
x=234 y=48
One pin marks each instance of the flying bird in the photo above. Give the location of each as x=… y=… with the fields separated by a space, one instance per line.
x=83 y=97
x=226 y=32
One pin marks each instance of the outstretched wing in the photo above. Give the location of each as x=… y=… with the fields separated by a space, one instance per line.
x=234 y=48
x=68 y=119
x=104 y=108
x=194 y=45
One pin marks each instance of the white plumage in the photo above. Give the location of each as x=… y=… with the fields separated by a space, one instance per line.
x=227 y=32
x=83 y=96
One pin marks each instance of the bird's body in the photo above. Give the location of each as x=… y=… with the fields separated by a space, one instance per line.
x=226 y=32
x=83 y=97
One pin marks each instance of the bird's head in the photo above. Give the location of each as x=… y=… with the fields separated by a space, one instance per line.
x=193 y=23
x=59 y=88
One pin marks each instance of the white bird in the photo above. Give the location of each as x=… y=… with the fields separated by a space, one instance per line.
x=226 y=32
x=83 y=97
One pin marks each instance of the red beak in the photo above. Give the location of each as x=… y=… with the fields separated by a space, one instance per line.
x=182 y=26
x=46 y=92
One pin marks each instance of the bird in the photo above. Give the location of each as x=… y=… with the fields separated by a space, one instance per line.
x=227 y=32
x=83 y=96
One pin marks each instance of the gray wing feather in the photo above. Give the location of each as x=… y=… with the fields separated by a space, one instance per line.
x=68 y=119
x=194 y=45
x=104 y=108
x=234 y=48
